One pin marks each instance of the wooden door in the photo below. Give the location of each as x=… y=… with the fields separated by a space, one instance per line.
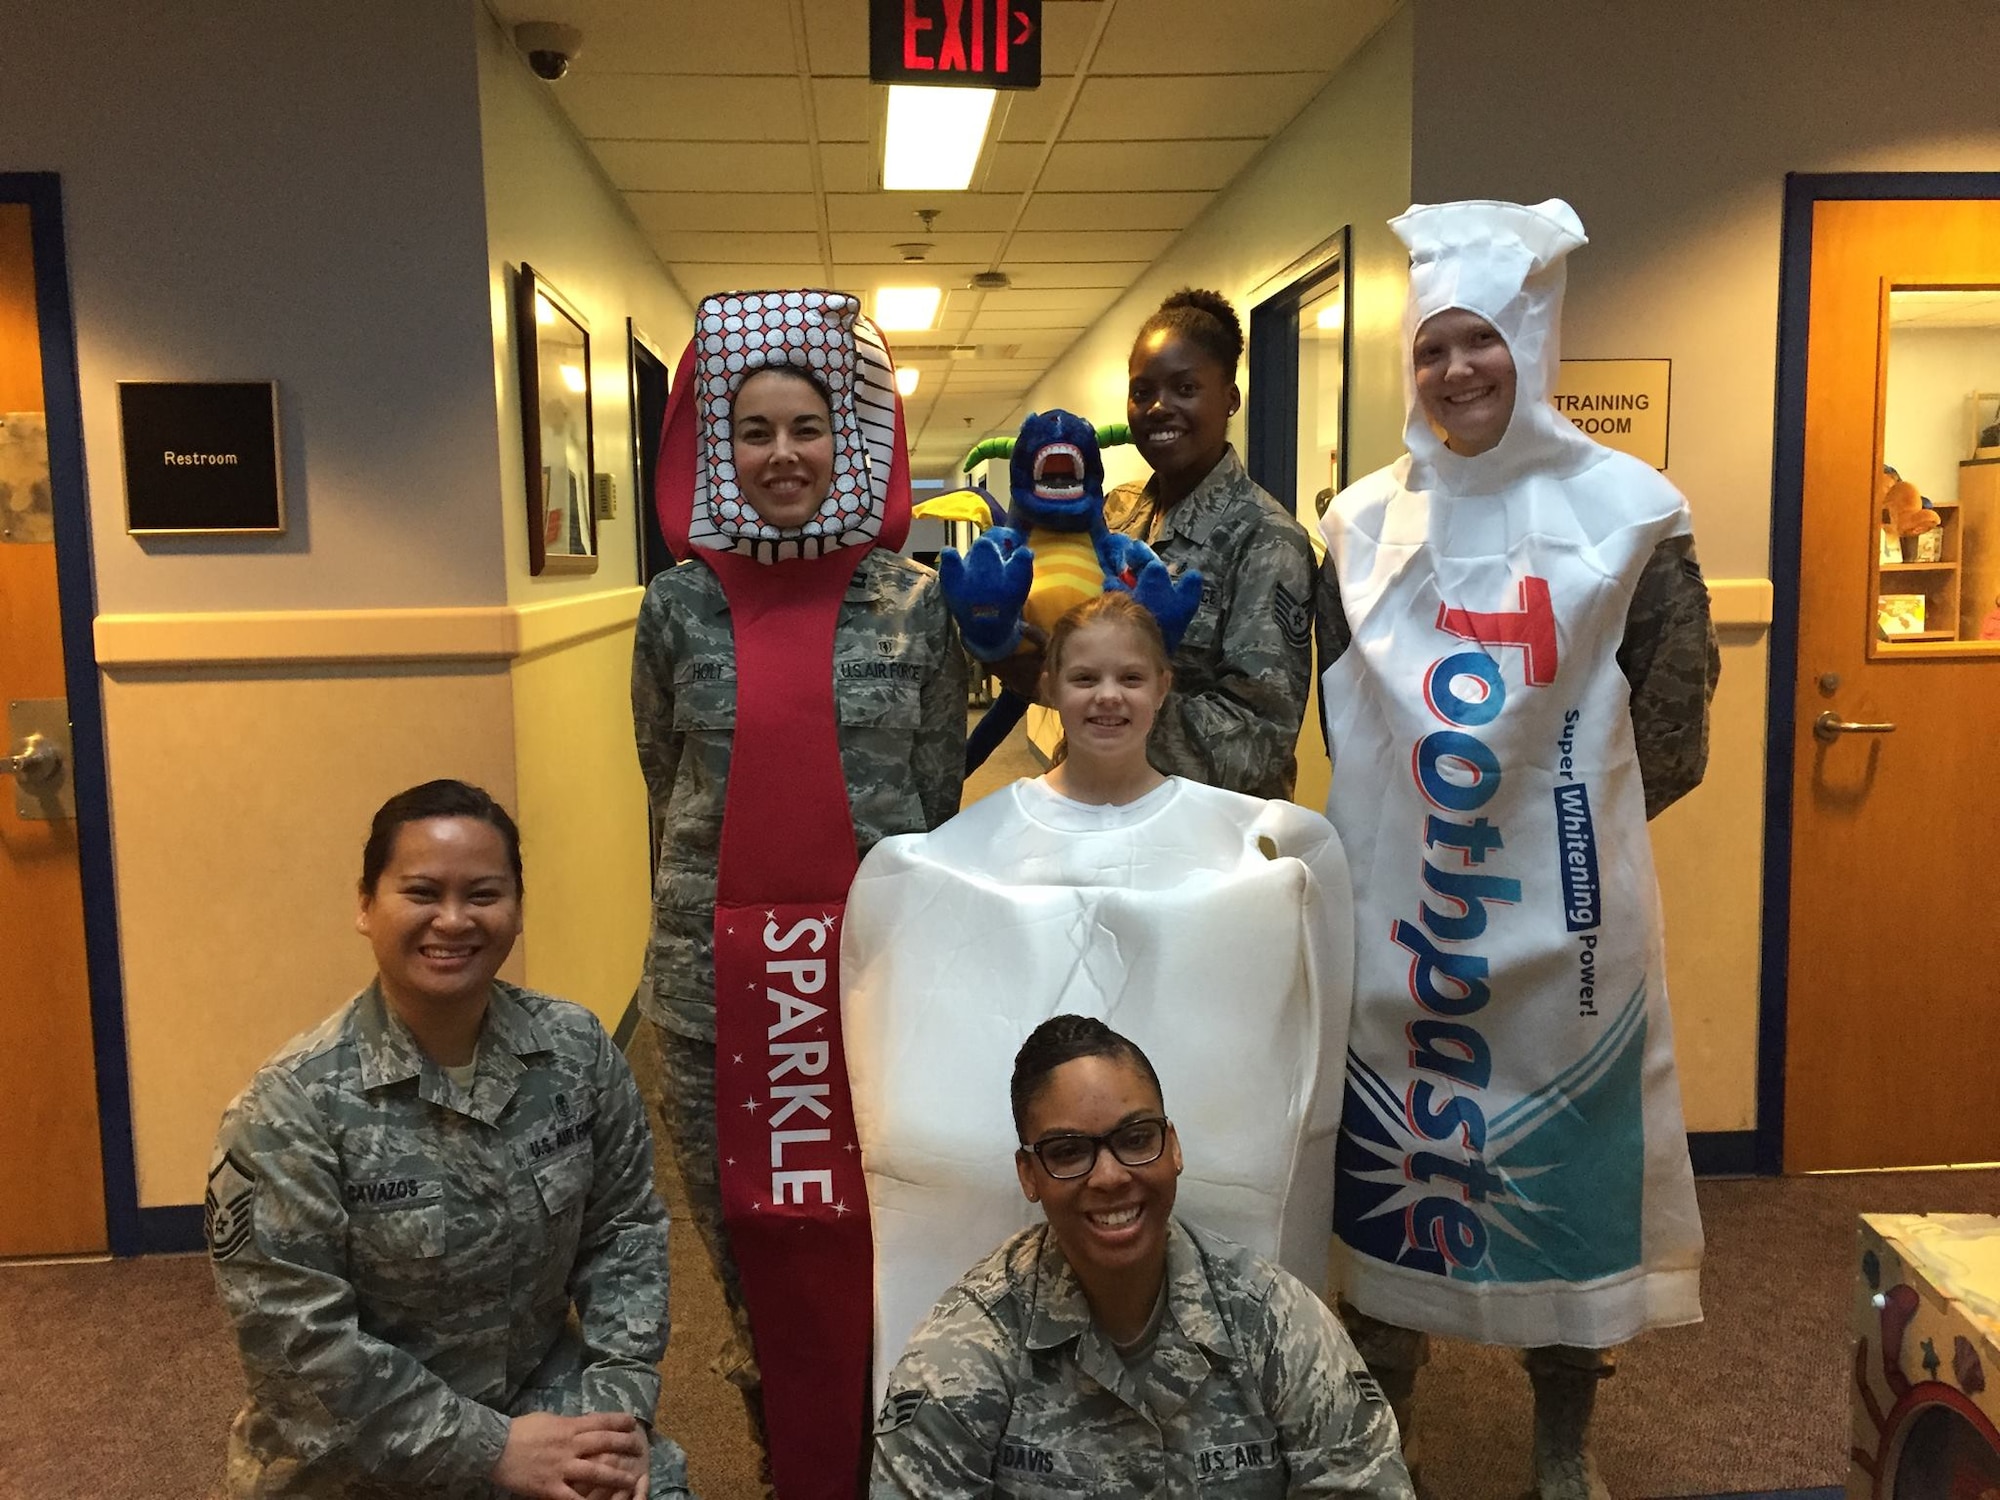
x=51 y=1173
x=1893 y=987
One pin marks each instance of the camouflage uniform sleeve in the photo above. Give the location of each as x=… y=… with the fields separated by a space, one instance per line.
x=949 y=1398
x=653 y=699
x=1670 y=658
x=939 y=757
x=619 y=1281
x=1245 y=730
x=277 y=1231
x=1332 y=635
x=1338 y=1434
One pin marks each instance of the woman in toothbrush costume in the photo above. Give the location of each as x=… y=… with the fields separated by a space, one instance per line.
x=1518 y=666
x=798 y=692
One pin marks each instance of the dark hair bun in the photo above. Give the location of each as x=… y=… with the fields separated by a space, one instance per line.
x=1206 y=318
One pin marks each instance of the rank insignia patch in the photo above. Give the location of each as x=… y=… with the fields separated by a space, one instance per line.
x=898 y=1410
x=225 y=1209
x=1294 y=619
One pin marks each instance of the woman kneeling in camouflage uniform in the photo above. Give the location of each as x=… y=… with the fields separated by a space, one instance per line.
x=1118 y=1351
x=432 y=1218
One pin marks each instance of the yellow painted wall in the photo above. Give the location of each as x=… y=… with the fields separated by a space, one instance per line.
x=247 y=755
x=242 y=799
x=582 y=808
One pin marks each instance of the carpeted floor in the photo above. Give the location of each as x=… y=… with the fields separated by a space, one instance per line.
x=118 y=1379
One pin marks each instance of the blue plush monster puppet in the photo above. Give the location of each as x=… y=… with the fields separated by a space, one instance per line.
x=1054 y=552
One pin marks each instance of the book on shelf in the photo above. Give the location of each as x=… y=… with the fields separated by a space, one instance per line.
x=1900 y=614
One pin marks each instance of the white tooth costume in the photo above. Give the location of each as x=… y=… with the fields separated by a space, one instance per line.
x=1213 y=929
x=1513 y=1165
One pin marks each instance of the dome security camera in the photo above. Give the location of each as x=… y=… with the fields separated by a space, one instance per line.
x=549 y=47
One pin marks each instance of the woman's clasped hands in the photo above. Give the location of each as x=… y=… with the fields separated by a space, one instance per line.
x=601 y=1456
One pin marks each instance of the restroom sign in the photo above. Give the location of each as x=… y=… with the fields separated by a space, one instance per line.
x=981 y=44
x=1621 y=403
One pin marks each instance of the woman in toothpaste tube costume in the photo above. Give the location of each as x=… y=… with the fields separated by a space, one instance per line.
x=1213 y=925
x=1519 y=663
x=798 y=692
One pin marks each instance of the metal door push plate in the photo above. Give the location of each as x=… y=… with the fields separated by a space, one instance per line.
x=37 y=758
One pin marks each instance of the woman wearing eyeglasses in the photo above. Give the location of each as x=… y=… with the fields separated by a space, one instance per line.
x=1116 y=1350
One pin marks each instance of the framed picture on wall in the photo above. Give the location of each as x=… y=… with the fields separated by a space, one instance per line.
x=557 y=436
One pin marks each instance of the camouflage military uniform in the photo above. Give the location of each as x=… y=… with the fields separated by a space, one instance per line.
x=1245 y=665
x=1669 y=658
x=899 y=685
x=401 y=1256
x=1252 y=1389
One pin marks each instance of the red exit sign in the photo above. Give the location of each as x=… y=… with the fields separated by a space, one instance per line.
x=981 y=44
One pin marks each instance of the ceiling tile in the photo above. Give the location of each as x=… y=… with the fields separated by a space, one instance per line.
x=1108 y=274
x=738 y=249
x=846 y=109
x=705 y=167
x=1056 y=211
x=950 y=249
x=836 y=37
x=700 y=281
x=1015 y=324
x=853 y=167
x=1088 y=302
x=680 y=107
x=1032 y=114
x=895 y=273
x=668 y=213
x=1010 y=168
x=1078 y=246
x=896 y=213
x=1256 y=105
x=1066 y=30
x=1146 y=166
x=619 y=35
x=1165 y=37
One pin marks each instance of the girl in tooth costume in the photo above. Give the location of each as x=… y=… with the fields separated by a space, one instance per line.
x=1518 y=661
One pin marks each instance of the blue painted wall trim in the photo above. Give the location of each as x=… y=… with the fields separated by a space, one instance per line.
x=77 y=600
x=171 y=1231
x=1723 y=1153
x=1803 y=190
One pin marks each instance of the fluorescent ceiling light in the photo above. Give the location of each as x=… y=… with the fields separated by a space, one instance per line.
x=573 y=378
x=906 y=309
x=934 y=137
x=907 y=377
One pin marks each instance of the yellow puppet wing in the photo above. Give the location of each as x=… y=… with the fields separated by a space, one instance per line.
x=1067 y=572
x=959 y=505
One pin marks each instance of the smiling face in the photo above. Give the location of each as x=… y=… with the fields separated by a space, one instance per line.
x=1106 y=683
x=1465 y=379
x=1112 y=1221
x=782 y=436
x=1178 y=402
x=444 y=913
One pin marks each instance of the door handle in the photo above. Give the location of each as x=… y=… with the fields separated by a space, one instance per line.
x=38 y=763
x=1829 y=727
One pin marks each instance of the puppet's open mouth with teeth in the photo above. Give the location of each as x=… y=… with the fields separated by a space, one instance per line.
x=1059 y=472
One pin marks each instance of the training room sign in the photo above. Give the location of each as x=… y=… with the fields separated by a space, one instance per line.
x=1622 y=403
x=980 y=44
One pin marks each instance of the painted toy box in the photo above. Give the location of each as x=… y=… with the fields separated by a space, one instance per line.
x=1927 y=1342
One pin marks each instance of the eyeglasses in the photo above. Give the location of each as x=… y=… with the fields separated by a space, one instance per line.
x=1136 y=1143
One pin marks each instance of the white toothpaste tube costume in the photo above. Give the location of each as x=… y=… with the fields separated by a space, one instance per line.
x=1513 y=1166
x=1212 y=928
